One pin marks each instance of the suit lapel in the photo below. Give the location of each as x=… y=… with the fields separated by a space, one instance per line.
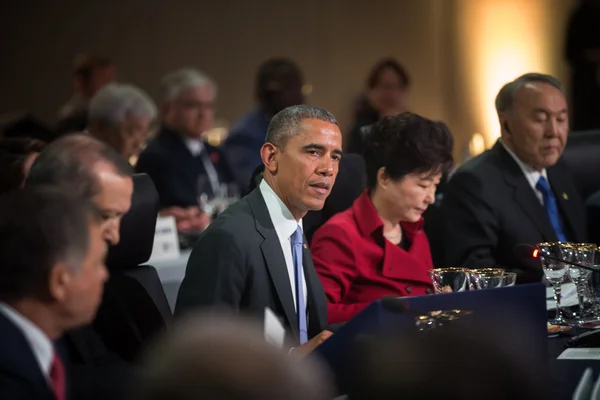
x=274 y=259
x=524 y=195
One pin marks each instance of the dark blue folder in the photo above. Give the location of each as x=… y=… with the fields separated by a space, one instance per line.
x=518 y=312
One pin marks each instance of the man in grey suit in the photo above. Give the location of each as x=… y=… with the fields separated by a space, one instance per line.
x=254 y=255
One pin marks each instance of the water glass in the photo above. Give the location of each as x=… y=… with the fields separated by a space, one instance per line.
x=509 y=279
x=555 y=272
x=487 y=278
x=450 y=279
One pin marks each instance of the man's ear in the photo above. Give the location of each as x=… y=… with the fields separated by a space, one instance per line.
x=58 y=281
x=504 y=123
x=269 y=153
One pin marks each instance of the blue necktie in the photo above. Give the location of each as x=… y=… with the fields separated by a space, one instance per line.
x=551 y=208
x=300 y=306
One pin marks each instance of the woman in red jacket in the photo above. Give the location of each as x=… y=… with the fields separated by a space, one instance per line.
x=378 y=248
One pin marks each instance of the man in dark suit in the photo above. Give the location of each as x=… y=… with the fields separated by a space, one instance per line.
x=253 y=255
x=45 y=292
x=518 y=191
x=181 y=164
x=99 y=175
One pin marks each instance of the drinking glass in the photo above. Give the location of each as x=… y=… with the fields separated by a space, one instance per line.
x=555 y=272
x=450 y=279
x=509 y=279
x=205 y=195
x=581 y=253
x=487 y=278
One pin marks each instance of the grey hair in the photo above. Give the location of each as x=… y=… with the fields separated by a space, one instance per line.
x=114 y=102
x=175 y=83
x=287 y=122
x=70 y=161
x=506 y=96
x=224 y=356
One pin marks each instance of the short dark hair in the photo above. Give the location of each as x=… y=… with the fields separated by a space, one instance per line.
x=40 y=227
x=70 y=161
x=275 y=78
x=505 y=98
x=286 y=123
x=86 y=64
x=404 y=144
x=382 y=65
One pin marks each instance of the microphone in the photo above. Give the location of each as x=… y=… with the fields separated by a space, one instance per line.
x=525 y=250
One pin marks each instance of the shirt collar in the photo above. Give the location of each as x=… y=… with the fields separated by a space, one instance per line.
x=195 y=146
x=40 y=344
x=283 y=221
x=531 y=174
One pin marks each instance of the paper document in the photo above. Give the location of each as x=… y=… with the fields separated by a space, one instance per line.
x=274 y=330
x=582 y=353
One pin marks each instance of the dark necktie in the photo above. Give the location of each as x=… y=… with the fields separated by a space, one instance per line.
x=551 y=207
x=297 y=243
x=57 y=377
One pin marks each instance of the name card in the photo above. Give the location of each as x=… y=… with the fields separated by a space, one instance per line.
x=166 y=241
x=274 y=330
x=582 y=353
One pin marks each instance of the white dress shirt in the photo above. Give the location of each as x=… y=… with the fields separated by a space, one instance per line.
x=532 y=175
x=285 y=225
x=40 y=344
x=197 y=148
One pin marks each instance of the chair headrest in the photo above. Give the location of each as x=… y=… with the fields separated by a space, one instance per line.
x=581 y=158
x=137 y=227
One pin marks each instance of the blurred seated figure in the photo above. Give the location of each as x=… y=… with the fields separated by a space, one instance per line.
x=52 y=274
x=279 y=84
x=182 y=166
x=378 y=247
x=16 y=157
x=442 y=364
x=386 y=95
x=519 y=191
x=120 y=115
x=215 y=357
x=91 y=73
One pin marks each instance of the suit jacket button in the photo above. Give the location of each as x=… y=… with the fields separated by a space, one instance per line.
x=428 y=290
x=408 y=289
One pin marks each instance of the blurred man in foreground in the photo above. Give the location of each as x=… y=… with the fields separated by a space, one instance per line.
x=52 y=274
x=214 y=357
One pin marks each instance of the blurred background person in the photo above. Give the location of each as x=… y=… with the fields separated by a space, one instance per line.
x=583 y=55
x=214 y=357
x=386 y=95
x=45 y=292
x=121 y=115
x=279 y=84
x=91 y=73
x=378 y=248
x=181 y=164
x=16 y=157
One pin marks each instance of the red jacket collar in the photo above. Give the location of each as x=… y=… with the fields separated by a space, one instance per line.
x=368 y=220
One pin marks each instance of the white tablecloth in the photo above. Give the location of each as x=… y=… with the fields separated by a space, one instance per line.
x=171 y=273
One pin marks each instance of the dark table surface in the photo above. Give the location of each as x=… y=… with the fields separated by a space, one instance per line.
x=565 y=374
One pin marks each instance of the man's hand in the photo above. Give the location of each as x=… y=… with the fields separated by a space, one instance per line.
x=312 y=344
x=190 y=219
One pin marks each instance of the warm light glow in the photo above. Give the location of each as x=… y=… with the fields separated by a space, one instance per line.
x=535 y=253
x=502 y=40
x=476 y=144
